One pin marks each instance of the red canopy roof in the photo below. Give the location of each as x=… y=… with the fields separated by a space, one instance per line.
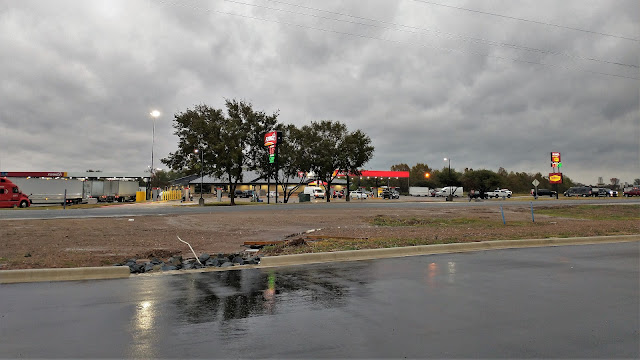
x=380 y=174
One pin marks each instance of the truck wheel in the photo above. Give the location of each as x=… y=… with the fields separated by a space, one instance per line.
x=24 y=204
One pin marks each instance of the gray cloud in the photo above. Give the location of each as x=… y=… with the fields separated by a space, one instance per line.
x=82 y=77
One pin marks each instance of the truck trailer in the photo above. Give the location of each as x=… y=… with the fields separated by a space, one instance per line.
x=419 y=191
x=111 y=190
x=51 y=191
x=122 y=190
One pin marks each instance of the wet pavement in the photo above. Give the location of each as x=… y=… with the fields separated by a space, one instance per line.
x=557 y=302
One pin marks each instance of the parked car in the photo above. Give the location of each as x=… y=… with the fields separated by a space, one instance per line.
x=499 y=193
x=314 y=192
x=583 y=191
x=476 y=194
x=613 y=193
x=634 y=191
x=338 y=194
x=358 y=194
x=237 y=192
x=543 y=192
x=386 y=194
x=246 y=194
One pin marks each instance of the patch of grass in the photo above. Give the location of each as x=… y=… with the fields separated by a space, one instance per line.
x=332 y=245
x=382 y=220
x=594 y=212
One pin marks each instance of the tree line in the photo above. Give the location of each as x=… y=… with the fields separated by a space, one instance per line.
x=231 y=140
x=481 y=180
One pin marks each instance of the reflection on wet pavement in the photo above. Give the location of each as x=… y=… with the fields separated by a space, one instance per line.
x=233 y=295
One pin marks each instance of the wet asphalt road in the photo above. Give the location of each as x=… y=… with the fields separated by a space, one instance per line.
x=168 y=208
x=557 y=302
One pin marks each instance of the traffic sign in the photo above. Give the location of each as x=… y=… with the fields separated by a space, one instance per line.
x=535 y=182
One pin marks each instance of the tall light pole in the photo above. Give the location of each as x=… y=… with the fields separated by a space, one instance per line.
x=450 y=197
x=154 y=115
x=201 y=201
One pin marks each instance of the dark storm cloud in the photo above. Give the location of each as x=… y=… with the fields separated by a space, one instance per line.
x=484 y=91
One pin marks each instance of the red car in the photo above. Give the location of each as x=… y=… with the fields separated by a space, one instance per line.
x=635 y=191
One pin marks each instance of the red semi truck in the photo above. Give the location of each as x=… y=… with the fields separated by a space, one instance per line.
x=11 y=196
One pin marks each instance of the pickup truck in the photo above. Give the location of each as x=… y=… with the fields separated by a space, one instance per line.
x=499 y=193
x=635 y=191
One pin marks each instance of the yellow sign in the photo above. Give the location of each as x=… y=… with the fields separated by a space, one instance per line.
x=555 y=178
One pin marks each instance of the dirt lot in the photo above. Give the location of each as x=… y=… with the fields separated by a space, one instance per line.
x=105 y=241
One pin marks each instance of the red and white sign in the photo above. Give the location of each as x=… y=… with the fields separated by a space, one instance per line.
x=555 y=178
x=555 y=157
x=272 y=149
x=271 y=138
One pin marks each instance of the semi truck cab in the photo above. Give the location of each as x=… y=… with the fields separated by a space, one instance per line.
x=11 y=196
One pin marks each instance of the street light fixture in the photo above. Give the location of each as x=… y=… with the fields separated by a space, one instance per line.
x=201 y=201
x=450 y=197
x=154 y=115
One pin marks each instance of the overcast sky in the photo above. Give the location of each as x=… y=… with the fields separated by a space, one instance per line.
x=425 y=81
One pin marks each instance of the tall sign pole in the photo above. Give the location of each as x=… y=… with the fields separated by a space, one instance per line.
x=556 y=176
x=272 y=139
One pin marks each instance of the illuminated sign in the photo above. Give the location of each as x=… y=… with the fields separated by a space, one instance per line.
x=272 y=138
x=555 y=178
x=555 y=157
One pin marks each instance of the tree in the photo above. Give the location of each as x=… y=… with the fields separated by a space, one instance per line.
x=334 y=150
x=164 y=178
x=417 y=175
x=481 y=180
x=401 y=183
x=445 y=178
x=355 y=150
x=226 y=144
x=294 y=159
x=636 y=182
x=614 y=182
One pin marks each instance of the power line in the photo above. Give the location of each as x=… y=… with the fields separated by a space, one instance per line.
x=529 y=20
x=401 y=42
x=461 y=37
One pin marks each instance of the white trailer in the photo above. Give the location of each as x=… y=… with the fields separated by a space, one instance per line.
x=122 y=190
x=94 y=189
x=419 y=191
x=51 y=191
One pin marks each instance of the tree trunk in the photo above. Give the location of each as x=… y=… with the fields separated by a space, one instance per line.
x=347 y=192
x=328 y=191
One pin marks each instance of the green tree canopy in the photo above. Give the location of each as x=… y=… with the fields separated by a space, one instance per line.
x=226 y=143
x=334 y=148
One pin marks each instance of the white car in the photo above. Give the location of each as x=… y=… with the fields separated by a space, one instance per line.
x=499 y=193
x=358 y=194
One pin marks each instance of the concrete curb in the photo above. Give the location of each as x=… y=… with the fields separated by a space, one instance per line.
x=368 y=254
x=66 y=274
x=117 y=272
